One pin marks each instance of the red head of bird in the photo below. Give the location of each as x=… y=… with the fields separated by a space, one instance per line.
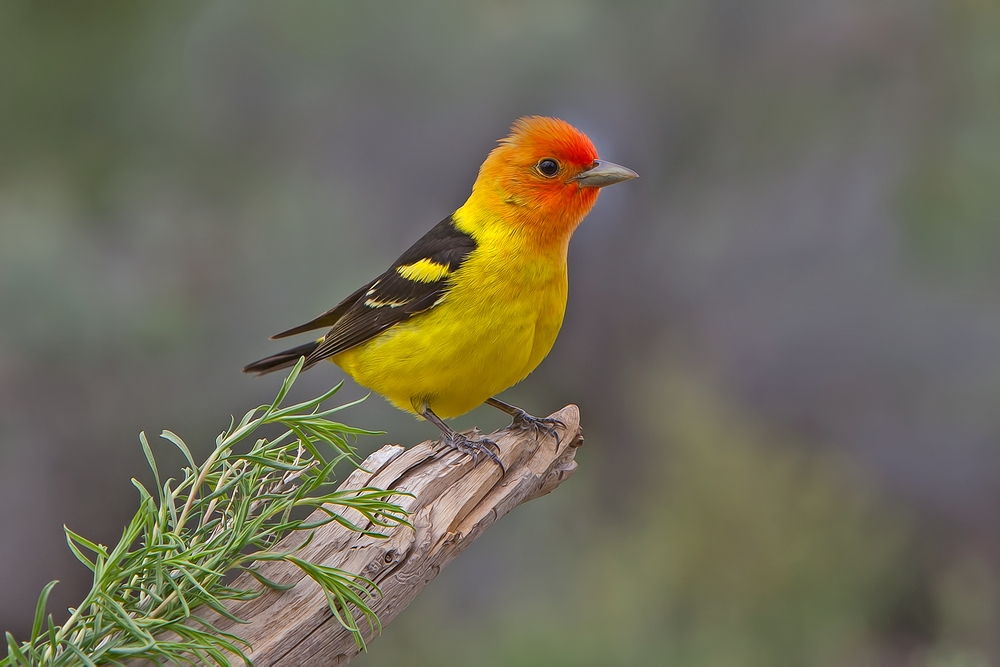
x=544 y=176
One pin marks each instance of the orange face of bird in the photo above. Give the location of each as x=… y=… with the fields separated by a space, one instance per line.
x=546 y=174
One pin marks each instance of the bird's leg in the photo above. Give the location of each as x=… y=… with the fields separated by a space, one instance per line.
x=465 y=444
x=524 y=421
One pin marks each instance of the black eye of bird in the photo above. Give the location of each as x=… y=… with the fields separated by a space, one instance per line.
x=548 y=167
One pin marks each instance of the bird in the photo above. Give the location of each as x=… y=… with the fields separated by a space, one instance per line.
x=474 y=305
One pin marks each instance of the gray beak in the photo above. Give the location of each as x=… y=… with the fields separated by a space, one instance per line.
x=604 y=173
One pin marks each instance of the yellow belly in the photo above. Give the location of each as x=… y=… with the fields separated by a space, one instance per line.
x=487 y=335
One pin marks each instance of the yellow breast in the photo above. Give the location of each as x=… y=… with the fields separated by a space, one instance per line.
x=497 y=322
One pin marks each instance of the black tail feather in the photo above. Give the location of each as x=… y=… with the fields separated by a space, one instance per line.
x=285 y=359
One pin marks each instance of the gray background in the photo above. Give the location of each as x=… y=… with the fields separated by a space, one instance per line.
x=784 y=338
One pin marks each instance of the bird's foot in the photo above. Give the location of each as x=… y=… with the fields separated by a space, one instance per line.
x=476 y=448
x=546 y=425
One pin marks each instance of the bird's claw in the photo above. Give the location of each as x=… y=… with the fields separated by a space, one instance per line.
x=475 y=448
x=547 y=425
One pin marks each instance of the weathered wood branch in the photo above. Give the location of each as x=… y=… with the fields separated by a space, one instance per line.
x=454 y=501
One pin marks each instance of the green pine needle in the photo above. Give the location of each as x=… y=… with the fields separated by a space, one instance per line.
x=221 y=517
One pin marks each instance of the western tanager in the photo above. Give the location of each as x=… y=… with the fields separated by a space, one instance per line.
x=475 y=305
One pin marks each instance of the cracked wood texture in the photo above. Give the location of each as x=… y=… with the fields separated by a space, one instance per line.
x=454 y=501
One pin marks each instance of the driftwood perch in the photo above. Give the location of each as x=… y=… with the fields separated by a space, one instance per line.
x=454 y=501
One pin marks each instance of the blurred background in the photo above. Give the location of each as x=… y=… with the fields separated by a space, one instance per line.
x=784 y=338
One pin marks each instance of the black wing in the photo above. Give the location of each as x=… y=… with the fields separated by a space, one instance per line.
x=329 y=318
x=415 y=282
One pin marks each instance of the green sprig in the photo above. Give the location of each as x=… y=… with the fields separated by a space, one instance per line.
x=222 y=516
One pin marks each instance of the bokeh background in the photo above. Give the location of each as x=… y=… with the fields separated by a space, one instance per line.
x=784 y=338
